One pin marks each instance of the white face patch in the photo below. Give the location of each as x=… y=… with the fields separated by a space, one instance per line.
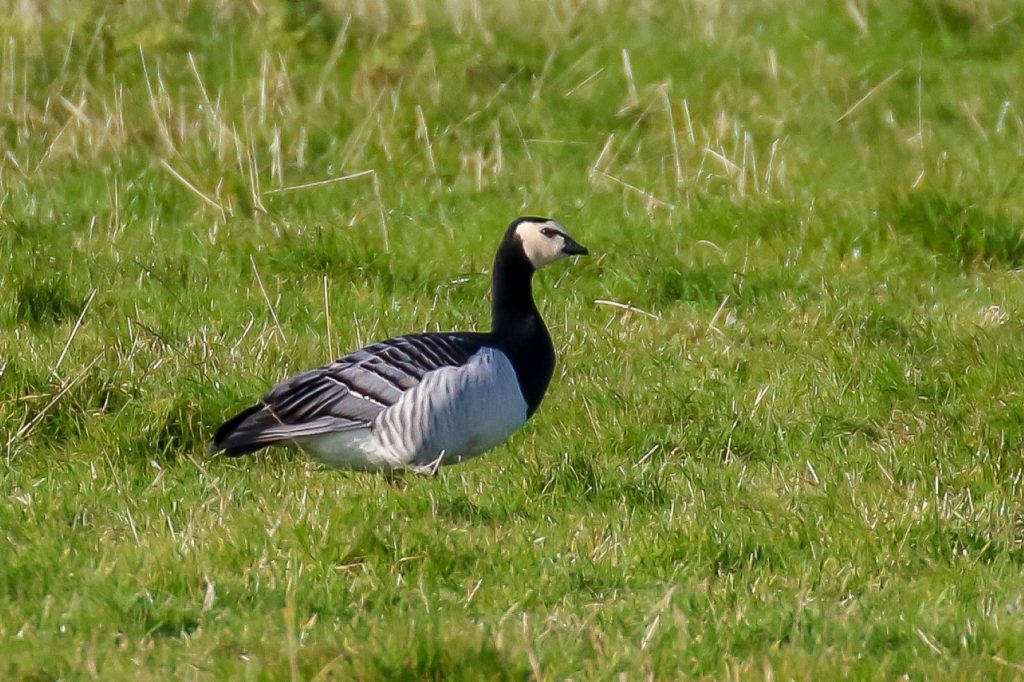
x=543 y=243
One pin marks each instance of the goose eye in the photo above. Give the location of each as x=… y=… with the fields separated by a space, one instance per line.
x=548 y=231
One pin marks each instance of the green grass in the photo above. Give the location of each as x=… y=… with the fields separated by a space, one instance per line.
x=806 y=460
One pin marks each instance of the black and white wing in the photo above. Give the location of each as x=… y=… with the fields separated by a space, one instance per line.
x=346 y=394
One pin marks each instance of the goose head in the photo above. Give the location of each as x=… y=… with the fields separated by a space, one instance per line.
x=543 y=240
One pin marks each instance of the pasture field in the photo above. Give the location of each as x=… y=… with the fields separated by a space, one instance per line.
x=786 y=436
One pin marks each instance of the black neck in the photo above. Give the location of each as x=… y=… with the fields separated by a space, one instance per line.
x=517 y=326
x=512 y=292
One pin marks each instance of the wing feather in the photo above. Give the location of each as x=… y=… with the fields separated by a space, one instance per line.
x=348 y=393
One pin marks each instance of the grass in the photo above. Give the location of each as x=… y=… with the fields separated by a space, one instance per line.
x=801 y=454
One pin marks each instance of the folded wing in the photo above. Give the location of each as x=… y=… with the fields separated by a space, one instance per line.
x=345 y=395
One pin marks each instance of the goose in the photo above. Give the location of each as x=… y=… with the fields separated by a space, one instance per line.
x=424 y=400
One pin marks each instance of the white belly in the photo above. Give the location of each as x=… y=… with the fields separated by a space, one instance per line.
x=356 y=450
x=455 y=413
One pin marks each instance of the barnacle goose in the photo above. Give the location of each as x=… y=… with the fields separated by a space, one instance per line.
x=422 y=400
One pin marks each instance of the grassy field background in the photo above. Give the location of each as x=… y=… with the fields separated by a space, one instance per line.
x=799 y=454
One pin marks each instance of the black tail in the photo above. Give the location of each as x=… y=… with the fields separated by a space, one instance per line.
x=225 y=438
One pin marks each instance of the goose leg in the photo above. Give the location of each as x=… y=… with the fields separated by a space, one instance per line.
x=395 y=478
x=430 y=469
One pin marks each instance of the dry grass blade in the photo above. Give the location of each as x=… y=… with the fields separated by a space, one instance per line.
x=628 y=307
x=266 y=299
x=206 y=199
x=26 y=430
x=650 y=198
x=319 y=183
x=74 y=331
x=870 y=94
